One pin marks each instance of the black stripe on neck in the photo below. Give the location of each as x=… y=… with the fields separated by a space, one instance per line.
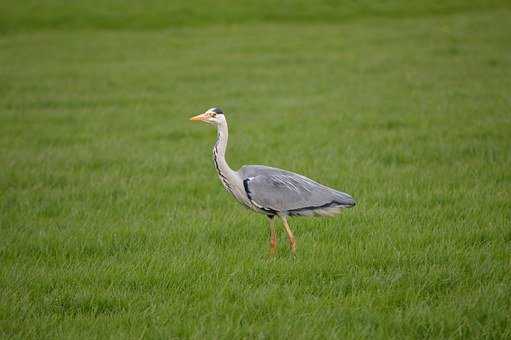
x=222 y=176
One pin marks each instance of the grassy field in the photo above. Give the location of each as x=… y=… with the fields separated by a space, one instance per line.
x=115 y=225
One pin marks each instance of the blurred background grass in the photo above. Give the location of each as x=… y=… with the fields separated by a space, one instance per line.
x=158 y=14
x=114 y=224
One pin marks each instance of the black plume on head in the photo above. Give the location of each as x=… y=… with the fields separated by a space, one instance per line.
x=217 y=110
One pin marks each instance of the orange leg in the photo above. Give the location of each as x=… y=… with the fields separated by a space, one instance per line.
x=290 y=236
x=273 y=237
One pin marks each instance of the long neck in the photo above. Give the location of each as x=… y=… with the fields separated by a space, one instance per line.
x=224 y=171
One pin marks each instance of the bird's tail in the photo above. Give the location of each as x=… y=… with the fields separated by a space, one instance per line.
x=341 y=201
x=344 y=200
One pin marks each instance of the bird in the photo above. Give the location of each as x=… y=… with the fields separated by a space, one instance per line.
x=273 y=192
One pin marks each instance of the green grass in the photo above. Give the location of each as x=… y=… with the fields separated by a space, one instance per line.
x=29 y=15
x=114 y=224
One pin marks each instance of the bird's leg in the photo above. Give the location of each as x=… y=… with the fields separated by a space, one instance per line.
x=291 y=238
x=273 y=236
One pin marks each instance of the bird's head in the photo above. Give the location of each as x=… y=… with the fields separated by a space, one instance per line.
x=213 y=116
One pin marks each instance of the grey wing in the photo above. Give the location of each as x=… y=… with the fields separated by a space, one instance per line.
x=280 y=191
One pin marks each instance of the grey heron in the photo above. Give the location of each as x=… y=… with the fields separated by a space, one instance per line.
x=271 y=191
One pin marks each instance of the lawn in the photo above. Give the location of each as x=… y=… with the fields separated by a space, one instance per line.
x=113 y=221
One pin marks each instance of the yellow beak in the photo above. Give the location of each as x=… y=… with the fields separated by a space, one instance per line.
x=202 y=116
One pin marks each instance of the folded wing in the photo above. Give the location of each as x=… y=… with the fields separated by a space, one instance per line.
x=279 y=191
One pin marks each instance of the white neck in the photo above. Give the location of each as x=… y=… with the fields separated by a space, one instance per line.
x=231 y=180
x=227 y=176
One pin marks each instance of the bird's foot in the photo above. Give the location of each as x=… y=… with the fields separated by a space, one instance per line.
x=292 y=245
x=273 y=247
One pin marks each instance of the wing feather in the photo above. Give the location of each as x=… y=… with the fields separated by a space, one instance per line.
x=282 y=191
